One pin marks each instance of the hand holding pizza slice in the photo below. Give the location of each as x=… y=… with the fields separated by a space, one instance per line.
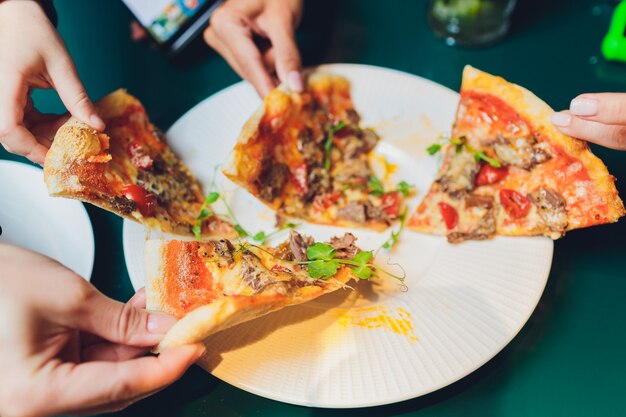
x=508 y=171
x=129 y=170
x=213 y=285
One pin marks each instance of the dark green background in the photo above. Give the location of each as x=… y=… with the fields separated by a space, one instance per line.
x=570 y=358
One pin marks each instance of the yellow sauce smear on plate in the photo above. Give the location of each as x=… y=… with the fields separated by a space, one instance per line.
x=397 y=320
x=387 y=167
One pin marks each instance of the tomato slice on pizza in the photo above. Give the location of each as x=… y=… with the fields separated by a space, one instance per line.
x=306 y=156
x=129 y=169
x=507 y=171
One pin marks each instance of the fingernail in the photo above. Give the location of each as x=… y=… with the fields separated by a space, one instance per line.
x=294 y=81
x=160 y=323
x=201 y=350
x=584 y=106
x=561 y=119
x=96 y=122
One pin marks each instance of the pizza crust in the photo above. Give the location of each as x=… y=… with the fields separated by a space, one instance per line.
x=597 y=192
x=79 y=165
x=74 y=140
x=115 y=104
x=77 y=141
x=231 y=166
x=225 y=312
x=537 y=113
x=239 y=172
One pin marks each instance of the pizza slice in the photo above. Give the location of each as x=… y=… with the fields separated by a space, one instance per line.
x=507 y=171
x=214 y=285
x=306 y=156
x=129 y=170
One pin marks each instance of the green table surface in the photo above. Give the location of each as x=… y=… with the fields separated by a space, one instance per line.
x=569 y=359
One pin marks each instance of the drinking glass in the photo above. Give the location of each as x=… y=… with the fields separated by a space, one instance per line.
x=470 y=22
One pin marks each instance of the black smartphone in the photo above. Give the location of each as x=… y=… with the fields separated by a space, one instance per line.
x=172 y=24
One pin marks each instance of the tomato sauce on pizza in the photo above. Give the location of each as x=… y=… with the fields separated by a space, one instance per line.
x=507 y=171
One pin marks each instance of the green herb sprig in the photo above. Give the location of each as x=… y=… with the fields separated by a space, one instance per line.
x=376 y=187
x=261 y=237
x=329 y=142
x=405 y=188
x=393 y=239
x=459 y=144
x=323 y=263
x=206 y=212
x=205 y=209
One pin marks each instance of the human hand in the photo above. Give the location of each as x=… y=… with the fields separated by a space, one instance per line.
x=32 y=55
x=234 y=31
x=599 y=118
x=67 y=348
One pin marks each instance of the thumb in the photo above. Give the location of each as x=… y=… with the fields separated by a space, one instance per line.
x=72 y=92
x=105 y=385
x=122 y=323
x=288 y=63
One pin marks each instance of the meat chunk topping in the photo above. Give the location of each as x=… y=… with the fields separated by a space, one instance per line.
x=551 y=208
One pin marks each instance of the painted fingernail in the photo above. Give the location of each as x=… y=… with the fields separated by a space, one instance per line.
x=96 y=121
x=561 y=119
x=160 y=323
x=200 y=350
x=294 y=81
x=584 y=106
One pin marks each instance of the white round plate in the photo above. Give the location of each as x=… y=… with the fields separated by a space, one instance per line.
x=30 y=218
x=378 y=344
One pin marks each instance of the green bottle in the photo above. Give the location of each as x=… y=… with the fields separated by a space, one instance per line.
x=614 y=43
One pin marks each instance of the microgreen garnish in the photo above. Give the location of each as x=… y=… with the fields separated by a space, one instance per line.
x=493 y=162
x=404 y=188
x=459 y=144
x=375 y=186
x=329 y=142
x=323 y=263
x=206 y=212
x=363 y=270
x=241 y=232
x=434 y=148
x=393 y=239
x=211 y=198
x=320 y=251
x=262 y=236
x=197 y=230
x=323 y=269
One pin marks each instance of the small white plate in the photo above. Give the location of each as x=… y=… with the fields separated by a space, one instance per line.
x=376 y=345
x=30 y=218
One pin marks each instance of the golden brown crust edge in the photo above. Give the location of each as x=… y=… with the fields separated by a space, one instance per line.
x=538 y=113
x=223 y=313
x=250 y=129
x=77 y=141
x=115 y=104
x=74 y=140
x=231 y=311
